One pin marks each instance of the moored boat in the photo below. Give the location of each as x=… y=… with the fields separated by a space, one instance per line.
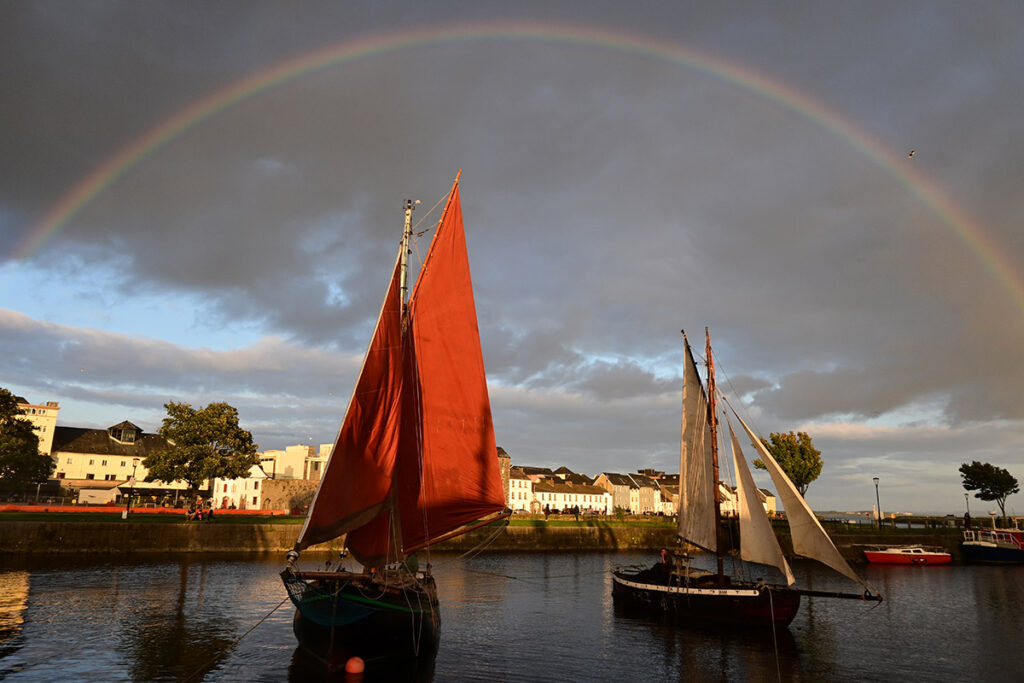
x=907 y=554
x=414 y=463
x=696 y=597
x=993 y=546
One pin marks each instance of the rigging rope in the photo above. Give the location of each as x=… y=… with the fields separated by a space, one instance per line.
x=224 y=650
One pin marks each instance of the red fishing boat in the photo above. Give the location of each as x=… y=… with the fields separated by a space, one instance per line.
x=907 y=554
x=414 y=463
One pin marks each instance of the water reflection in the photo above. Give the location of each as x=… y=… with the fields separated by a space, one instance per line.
x=712 y=654
x=504 y=616
x=170 y=633
x=13 y=602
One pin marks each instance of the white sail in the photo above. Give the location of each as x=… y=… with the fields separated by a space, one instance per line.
x=757 y=540
x=809 y=539
x=696 y=477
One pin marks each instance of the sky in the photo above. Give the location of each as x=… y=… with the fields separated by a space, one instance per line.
x=202 y=202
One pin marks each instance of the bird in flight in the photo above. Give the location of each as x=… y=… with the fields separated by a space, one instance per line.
x=910 y=154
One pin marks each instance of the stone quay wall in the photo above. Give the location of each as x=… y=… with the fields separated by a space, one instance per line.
x=30 y=537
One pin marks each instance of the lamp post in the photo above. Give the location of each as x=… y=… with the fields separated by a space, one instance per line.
x=967 y=503
x=131 y=494
x=878 y=504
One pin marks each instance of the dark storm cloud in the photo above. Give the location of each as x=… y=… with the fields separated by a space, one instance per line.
x=610 y=199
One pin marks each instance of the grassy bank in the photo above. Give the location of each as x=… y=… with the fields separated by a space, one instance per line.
x=102 y=517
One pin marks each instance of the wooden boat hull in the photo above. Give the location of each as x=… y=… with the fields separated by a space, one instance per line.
x=739 y=604
x=903 y=557
x=356 y=615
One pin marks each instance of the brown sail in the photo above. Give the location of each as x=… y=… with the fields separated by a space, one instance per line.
x=415 y=459
x=356 y=484
x=448 y=479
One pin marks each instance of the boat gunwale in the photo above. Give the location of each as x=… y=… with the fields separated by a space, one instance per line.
x=693 y=590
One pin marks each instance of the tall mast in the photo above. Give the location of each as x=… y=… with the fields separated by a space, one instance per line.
x=406 y=238
x=713 y=422
x=403 y=286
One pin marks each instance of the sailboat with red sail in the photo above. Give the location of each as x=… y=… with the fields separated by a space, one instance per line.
x=414 y=463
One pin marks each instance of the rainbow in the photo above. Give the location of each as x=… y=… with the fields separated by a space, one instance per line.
x=970 y=233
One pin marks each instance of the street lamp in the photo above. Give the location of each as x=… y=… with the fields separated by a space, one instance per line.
x=131 y=494
x=878 y=504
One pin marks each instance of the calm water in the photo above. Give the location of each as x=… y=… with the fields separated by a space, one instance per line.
x=505 y=616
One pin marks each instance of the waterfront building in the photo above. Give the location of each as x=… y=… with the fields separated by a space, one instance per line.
x=244 y=493
x=730 y=500
x=505 y=469
x=296 y=462
x=43 y=417
x=537 y=473
x=103 y=460
x=519 y=491
x=619 y=485
x=645 y=495
x=668 y=498
x=562 y=496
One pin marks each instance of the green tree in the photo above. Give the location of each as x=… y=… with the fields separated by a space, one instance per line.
x=202 y=444
x=797 y=457
x=990 y=482
x=21 y=463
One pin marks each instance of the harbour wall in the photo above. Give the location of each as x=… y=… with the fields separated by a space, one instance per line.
x=40 y=537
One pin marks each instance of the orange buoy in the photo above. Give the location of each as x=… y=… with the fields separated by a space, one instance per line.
x=355 y=665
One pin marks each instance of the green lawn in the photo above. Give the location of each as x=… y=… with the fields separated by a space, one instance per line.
x=521 y=520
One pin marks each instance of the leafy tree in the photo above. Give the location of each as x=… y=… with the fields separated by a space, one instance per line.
x=797 y=457
x=990 y=482
x=21 y=463
x=203 y=444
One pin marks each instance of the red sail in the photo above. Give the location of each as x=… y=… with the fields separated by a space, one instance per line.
x=447 y=468
x=356 y=484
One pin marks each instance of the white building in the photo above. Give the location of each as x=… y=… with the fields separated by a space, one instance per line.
x=43 y=418
x=520 y=490
x=242 y=493
x=560 y=495
x=296 y=462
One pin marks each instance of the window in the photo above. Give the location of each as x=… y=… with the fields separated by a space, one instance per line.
x=91 y=462
x=60 y=475
x=90 y=476
x=255 y=500
x=103 y=463
x=124 y=463
x=255 y=485
x=111 y=477
x=225 y=488
x=68 y=461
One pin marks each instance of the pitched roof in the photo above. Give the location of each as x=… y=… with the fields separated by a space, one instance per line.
x=559 y=486
x=98 y=441
x=616 y=479
x=643 y=480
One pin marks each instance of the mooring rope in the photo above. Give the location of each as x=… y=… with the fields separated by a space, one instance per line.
x=224 y=650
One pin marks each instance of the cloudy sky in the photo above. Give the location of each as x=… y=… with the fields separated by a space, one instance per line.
x=202 y=202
